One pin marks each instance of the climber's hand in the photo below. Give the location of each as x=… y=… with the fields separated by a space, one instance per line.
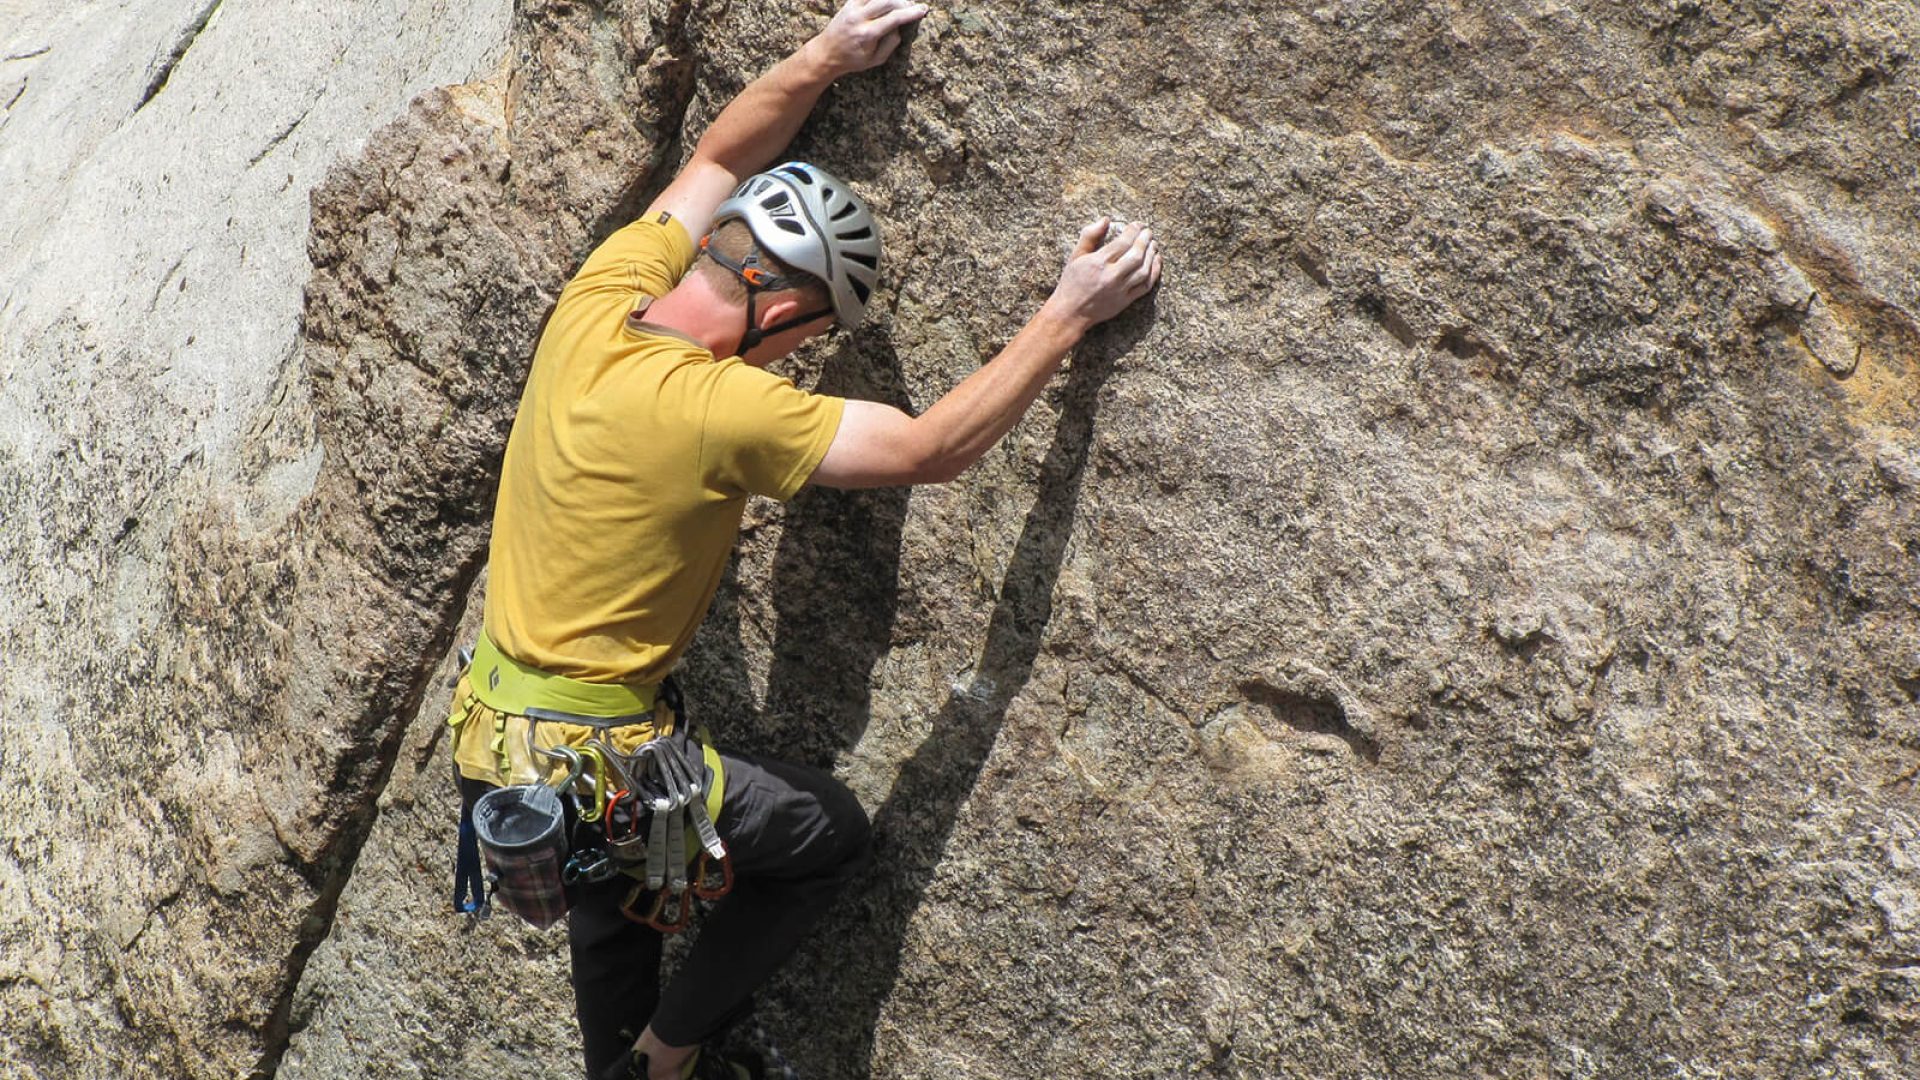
x=1102 y=278
x=864 y=33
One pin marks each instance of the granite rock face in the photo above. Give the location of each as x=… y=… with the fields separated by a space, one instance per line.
x=1467 y=623
x=180 y=799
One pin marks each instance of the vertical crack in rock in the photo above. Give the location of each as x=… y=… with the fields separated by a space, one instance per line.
x=330 y=874
x=278 y=138
x=180 y=46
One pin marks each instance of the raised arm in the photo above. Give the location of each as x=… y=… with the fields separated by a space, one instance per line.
x=878 y=445
x=756 y=126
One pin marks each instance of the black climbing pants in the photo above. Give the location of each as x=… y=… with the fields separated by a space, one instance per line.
x=796 y=836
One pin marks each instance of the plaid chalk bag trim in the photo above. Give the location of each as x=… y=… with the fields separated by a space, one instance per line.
x=521 y=831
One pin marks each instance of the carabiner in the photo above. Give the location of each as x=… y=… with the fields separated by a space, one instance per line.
x=595 y=867
x=701 y=877
x=628 y=828
x=590 y=809
x=670 y=912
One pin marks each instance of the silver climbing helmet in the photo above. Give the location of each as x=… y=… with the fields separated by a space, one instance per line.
x=811 y=220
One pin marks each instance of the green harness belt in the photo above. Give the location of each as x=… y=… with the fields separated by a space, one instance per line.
x=509 y=686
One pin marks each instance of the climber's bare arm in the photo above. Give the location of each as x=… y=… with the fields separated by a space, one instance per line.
x=878 y=445
x=756 y=126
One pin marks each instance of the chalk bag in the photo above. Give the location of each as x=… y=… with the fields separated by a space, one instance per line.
x=521 y=831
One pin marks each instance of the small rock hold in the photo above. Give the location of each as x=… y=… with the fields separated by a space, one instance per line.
x=1517 y=627
x=1899 y=466
x=1491 y=165
x=1664 y=201
x=1829 y=343
x=1901 y=908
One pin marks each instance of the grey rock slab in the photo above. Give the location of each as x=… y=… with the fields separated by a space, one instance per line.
x=156 y=159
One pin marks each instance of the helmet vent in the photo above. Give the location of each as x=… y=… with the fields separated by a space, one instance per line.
x=860 y=290
x=792 y=226
x=867 y=261
x=861 y=233
x=846 y=211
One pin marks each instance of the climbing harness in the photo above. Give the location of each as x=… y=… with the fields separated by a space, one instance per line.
x=647 y=804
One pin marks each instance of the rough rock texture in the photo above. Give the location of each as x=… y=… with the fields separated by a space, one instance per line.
x=177 y=813
x=1468 y=624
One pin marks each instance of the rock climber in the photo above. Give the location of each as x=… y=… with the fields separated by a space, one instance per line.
x=647 y=419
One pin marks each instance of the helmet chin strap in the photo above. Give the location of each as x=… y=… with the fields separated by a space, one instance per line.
x=757 y=280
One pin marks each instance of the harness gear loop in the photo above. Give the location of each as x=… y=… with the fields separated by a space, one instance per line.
x=576 y=762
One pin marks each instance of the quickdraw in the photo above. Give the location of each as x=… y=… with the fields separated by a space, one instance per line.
x=704 y=886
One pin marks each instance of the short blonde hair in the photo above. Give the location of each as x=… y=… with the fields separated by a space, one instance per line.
x=734 y=240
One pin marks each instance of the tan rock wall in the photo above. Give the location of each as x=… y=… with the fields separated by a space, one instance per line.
x=1467 y=624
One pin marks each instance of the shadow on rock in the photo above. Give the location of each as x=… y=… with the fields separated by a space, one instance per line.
x=837 y=986
x=835 y=585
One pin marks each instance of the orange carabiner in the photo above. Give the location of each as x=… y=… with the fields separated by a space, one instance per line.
x=610 y=821
x=703 y=874
x=669 y=914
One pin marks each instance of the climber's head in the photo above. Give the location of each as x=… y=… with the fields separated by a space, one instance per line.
x=795 y=242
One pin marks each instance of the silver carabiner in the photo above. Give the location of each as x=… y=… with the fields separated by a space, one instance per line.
x=576 y=764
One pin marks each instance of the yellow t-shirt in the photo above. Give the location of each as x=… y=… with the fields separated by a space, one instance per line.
x=628 y=469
